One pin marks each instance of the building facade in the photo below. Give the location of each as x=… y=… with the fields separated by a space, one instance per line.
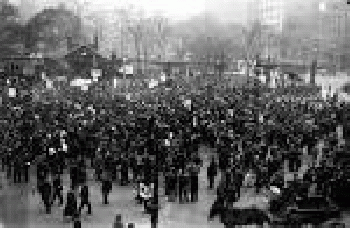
x=333 y=32
x=270 y=14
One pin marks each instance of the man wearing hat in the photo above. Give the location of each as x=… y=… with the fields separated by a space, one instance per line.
x=106 y=186
x=212 y=172
x=194 y=170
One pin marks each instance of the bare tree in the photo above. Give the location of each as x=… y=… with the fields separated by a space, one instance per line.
x=11 y=37
x=50 y=28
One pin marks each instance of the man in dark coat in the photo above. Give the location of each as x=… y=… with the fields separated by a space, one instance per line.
x=41 y=175
x=71 y=208
x=98 y=168
x=74 y=175
x=167 y=177
x=212 y=172
x=124 y=172
x=172 y=183
x=82 y=175
x=85 y=201
x=46 y=196
x=106 y=187
x=76 y=221
x=57 y=189
x=194 y=182
x=181 y=184
x=18 y=171
x=235 y=180
x=118 y=221
x=219 y=205
x=228 y=191
x=26 y=170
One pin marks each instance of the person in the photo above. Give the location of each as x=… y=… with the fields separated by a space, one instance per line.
x=46 y=196
x=26 y=170
x=167 y=173
x=82 y=175
x=194 y=182
x=114 y=165
x=170 y=181
x=181 y=185
x=146 y=194
x=228 y=191
x=118 y=221
x=106 y=187
x=212 y=172
x=138 y=188
x=98 y=168
x=41 y=176
x=85 y=201
x=152 y=206
x=124 y=172
x=18 y=171
x=249 y=180
x=235 y=177
x=70 y=209
x=76 y=220
x=57 y=189
x=187 y=190
x=74 y=176
x=219 y=204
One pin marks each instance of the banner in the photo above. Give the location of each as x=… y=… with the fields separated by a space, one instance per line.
x=12 y=92
x=96 y=73
x=128 y=69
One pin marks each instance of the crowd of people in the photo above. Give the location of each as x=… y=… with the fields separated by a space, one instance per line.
x=253 y=130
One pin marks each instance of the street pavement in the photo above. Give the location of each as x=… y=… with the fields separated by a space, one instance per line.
x=22 y=207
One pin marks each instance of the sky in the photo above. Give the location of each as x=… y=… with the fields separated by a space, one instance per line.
x=226 y=10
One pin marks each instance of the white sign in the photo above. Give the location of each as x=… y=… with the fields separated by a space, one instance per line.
x=82 y=83
x=12 y=92
x=187 y=103
x=49 y=84
x=322 y=6
x=163 y=77
x=43 y=75
x=167 y=142
x=152 y=84
x=96 y=73
x=128 y=69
